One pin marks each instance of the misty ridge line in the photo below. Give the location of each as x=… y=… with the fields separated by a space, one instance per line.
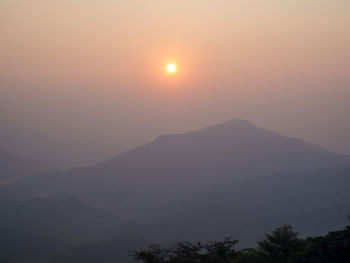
x=213 y=126
x=226 y=148
x=229 y=179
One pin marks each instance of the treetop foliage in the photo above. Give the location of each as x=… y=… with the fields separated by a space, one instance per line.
x=282 y=245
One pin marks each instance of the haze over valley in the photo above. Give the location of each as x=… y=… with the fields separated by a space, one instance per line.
x=174 y=131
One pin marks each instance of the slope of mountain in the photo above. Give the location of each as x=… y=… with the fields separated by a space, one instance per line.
x=69 y=220
x=108 y=252
x=313 y=202
x=280 y=245
x=174 y=167
x=12 y=167
x=18 y=247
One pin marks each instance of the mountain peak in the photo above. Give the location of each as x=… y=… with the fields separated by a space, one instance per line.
x=227 y=126
x=236 y=122
x=233 y=124
x=226 y=152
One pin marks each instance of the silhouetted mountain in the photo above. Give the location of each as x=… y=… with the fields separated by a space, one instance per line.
x=12 y=167
x=106 y=252
x=232 y=179
x=281 y=245
x=18 y=247
x=69 y=220
x=313 y=202
x=178 y=166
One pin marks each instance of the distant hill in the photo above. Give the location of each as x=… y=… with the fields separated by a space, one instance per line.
x=313 y=202
x=69 y=220
x=112 y=251
x=283 y=244
x=231 y=179
x=19 y=247
x=12 y=167
x=178 y=166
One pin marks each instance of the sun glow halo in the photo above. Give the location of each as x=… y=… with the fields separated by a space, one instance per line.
x=171 y=68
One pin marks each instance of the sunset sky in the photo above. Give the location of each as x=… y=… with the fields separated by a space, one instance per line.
x=83 y=80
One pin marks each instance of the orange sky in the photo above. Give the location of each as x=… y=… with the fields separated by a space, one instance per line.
x=92 y=71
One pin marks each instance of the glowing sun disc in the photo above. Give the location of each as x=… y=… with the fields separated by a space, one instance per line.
x=171 y=68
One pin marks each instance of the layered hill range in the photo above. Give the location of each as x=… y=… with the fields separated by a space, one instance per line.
x=13 y=167
x=148 y=180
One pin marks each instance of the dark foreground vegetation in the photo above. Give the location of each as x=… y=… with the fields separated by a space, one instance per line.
x=280 y=246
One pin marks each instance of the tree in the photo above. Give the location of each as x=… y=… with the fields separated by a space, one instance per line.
x=281 y=246
x=252 y=255
x=334 y=247
x=187 y=252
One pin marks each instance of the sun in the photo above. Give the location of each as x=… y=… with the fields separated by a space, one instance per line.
x=171 y=68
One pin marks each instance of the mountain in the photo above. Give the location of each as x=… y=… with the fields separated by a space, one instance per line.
x=173 y=168
x=312 y=202
x=19 y=247
x=231 y=179
x=13 y=167
x=68 y=220
x=108 y=252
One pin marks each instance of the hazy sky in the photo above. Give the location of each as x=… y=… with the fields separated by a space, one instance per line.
x=81 y=80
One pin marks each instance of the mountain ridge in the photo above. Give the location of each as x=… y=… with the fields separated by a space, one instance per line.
x=173 y=165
